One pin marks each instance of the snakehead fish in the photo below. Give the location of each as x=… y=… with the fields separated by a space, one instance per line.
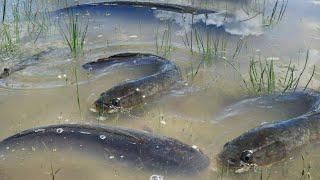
x=132 y=93
x=136 y=4
x=273 y=142
x=24 y=64
x=138 y=148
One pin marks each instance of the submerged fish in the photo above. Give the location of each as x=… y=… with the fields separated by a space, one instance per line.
x=137 y=147
x=274 y=142
x=293 y=104
x=135 y=92
x=135 y=4
x=23 y=64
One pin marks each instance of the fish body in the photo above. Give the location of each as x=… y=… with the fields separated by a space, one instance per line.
x=23 y=64
x=136 y=92
x=292 y=103
x=137 y=6
x=139 y=148
x=274 y=142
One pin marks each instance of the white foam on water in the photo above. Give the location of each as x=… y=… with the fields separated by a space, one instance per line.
x=316 y=2
x=238 y=23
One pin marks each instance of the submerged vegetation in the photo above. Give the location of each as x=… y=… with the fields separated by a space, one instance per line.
x=75 y=39
x=24 y=19
x=4 y=9
x=264 y=80
x=8 y=41
x=163 y=41
x=74 y=33
x=272 y=12
x=213 y=47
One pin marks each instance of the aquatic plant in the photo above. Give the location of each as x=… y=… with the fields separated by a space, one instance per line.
x=305 y=172
x=4 y=7
x=193 y=71
x=277 y=13
x=37 y=18
x=209 y=44
x=240 y=44
x=35 y=23
x=163 y=43
x=263 y=79
x=16 y=20
x=272 y=11
x=77 y=91
x=213 y=47
x=53 y=172
x=75 y=35
x=10 y=30
x=188 y=41
x=7 y=44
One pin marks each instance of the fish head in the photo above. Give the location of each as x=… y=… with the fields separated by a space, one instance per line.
x=108 y=105
x=258 y=147
x=5 y=73
x=121 y=97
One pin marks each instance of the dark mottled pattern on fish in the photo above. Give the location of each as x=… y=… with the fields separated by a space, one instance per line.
x=135 y=92
x=274 y=142
x=140 y=148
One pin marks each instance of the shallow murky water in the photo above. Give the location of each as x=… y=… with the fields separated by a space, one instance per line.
x=46 y=93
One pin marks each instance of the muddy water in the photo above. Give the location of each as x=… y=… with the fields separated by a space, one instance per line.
x=46 y=93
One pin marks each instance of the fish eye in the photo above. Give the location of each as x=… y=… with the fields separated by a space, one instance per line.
x=6 y=70
x=246 y=156
x=115 y=102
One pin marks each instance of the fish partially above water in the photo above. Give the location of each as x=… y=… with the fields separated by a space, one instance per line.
x=136 y=92
x=139 y=148
x=276 y=141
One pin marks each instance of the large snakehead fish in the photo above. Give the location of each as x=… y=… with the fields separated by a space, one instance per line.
x=274 y=142
x=138 y=148
x=135 y=92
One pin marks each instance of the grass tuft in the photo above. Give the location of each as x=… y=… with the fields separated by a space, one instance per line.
x=74 y=34
x=163 y=43
x=264 y=80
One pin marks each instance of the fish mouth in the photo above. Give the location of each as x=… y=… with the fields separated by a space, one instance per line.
x=235 y=166
x=103 y=108
x=244 y=167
